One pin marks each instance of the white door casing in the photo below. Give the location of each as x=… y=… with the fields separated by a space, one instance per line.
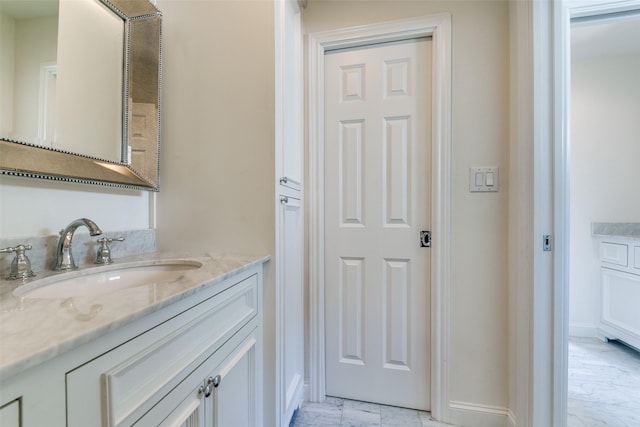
x=439 y=28
x=377 y=199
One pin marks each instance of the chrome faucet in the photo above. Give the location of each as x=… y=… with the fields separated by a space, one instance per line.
x=64 y=256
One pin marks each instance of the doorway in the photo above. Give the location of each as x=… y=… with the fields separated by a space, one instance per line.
x=605 y=104
x=438 y=27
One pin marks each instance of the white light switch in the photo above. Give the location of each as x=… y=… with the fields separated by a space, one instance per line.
x=483 y=179
x=479 y=178
x=489 y=180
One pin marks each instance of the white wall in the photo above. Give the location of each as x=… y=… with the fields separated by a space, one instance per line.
x=218 y=155
x=7 y=60
x=605 y=148
x=37 y=208
x=479 y=305
x=35 y=44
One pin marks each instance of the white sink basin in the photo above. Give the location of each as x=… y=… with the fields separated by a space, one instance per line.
x=107 y=279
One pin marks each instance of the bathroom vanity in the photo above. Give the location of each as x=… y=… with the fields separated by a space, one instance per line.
x=619 y=246
x=185 y=351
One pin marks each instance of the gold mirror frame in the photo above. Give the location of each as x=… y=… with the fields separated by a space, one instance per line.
x=139 y=168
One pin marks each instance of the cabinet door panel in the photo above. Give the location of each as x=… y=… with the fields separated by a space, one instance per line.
x=289 y=93
x=189 y=405
x=189 y=414
x=620 y=296
x=290 y=313
x=10 y=414
x=235 y=402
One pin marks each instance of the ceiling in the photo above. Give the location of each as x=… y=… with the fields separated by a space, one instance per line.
x=606 y=37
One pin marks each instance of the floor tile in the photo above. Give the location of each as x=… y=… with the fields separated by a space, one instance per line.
x=604 y=390
x=604 y=384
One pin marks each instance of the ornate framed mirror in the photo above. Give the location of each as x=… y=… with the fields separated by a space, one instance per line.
x=81 y=103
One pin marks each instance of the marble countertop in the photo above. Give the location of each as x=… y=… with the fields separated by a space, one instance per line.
x=620 y=229
x=33 y=330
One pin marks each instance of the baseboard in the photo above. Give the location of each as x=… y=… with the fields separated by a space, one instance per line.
x=474 y=415
x=583 y=330
x=306 y=393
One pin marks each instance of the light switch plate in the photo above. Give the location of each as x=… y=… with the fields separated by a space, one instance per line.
x=481 y=178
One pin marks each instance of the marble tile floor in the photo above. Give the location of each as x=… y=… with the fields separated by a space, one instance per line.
x=336 y=412
x=604 y=390
x=604 y=384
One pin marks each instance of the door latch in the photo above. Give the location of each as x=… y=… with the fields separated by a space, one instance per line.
x=425 y=239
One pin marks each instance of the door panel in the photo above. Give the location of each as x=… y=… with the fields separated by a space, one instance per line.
x=377 y=200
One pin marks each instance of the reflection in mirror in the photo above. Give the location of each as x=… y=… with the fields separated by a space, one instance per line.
x=58 y=76
x=81 y=77
x=89 y=80
x=28 y=48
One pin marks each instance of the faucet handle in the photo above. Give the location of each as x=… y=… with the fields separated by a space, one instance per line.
x=21 y=265
x=104 y=252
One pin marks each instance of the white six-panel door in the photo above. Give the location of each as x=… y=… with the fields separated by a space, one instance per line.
x=377 y=200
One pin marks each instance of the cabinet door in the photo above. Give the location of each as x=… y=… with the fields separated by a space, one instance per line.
x=188 y=413
x=620 y=296
x=10 y=414
x=289 y=136
x=290 y=309
x=236 y=400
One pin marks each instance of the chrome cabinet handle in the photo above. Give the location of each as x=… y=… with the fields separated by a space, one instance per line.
x=284 y=180
x=216 y=381
x=284 y=199
x=207 y=387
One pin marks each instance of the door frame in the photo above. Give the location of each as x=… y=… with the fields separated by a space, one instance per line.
x=439 y=28
x=559 y=163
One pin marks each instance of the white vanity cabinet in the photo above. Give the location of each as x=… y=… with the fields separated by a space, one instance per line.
x=137 y=382
x=620 y=290
x=218 y=393
x=196 y=362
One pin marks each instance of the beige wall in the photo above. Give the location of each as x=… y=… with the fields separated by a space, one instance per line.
x=479 y=291
x=218 y=155
x=605 y=107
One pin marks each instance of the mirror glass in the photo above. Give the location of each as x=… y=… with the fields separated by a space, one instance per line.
x=80 y=80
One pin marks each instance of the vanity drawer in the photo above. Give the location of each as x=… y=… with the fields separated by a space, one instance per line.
x=636 y=258
x=614 y=253
x=123 y=384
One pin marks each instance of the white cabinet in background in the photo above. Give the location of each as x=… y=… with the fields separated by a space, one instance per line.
x=620 y=291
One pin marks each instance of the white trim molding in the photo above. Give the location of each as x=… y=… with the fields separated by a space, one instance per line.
x=438 y=27
x=472 y=414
